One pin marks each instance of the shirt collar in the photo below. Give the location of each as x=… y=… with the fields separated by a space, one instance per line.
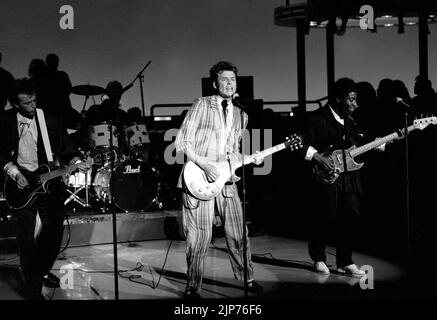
x=219 y=100
x=23 y=119
x=336 y=116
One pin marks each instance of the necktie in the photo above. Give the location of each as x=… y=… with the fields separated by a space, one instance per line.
x=224 y=105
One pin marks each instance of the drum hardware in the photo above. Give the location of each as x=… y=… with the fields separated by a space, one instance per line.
x=100 y=137
x=87 y=91
x=79 y=181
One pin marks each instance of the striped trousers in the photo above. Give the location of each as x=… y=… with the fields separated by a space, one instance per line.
x=198 y=219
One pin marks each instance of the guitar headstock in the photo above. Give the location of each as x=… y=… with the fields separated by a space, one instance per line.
x=294 y=142
x=424 y=122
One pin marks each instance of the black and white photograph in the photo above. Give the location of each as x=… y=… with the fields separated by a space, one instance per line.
x=218 y=159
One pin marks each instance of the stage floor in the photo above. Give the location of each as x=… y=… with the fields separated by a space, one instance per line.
x=155 y=269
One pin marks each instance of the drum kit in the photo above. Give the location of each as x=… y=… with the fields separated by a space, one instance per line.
x=129 y=179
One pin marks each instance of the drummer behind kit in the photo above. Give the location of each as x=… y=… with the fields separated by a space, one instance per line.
x=135 y=183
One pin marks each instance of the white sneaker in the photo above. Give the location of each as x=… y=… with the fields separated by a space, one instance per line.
x=321 y=267
x=352 y=270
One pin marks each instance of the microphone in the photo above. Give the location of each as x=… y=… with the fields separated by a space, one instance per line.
x=401 y=101
x=237 y=102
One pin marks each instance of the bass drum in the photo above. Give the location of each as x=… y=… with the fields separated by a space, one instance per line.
x=134 y=184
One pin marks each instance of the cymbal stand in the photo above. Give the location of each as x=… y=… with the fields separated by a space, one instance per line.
x=84 y=103
x=140 y=77
x=114 y=216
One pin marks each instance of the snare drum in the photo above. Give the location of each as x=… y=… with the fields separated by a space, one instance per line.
x=100 y=136
x=134 y=183
x=80 y=179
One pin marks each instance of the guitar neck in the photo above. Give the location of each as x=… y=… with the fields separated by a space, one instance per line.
x=270 y=151
x=56 y=173
x=371 y=145
x=273 y=149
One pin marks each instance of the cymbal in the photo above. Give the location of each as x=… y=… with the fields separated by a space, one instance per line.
x=87 y=90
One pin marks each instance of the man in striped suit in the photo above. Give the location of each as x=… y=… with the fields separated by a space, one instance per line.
x=211 y=131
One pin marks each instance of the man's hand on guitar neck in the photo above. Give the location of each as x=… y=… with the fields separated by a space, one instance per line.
x=82 y=166
x=257 y=158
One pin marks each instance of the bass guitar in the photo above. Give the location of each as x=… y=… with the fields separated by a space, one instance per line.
x=344 y=160
x=38 y=180
x=198 y=184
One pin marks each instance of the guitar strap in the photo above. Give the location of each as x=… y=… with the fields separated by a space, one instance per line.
x=45 y=136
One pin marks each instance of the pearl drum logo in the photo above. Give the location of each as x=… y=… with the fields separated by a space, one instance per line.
x=128 y=169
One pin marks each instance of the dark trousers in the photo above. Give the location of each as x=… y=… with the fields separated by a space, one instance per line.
x=336 y=212
x=37 y=256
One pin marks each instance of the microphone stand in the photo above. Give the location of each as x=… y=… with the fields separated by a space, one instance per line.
x=407 y=193
x=407 y=107
x=114 y=216
x=140 y=76
x=243 y=176
x=243 y=108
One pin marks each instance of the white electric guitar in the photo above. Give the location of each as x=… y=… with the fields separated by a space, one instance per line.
x=199 y=185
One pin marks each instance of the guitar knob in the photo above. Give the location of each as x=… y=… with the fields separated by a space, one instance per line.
x=200 y=189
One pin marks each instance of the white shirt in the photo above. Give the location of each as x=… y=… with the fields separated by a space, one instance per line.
x=27 y=146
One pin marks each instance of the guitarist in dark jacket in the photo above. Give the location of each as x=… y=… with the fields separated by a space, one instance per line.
x=337 y=203
x=22 y=151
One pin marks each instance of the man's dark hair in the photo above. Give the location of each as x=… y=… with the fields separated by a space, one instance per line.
x=219 y=67
x=342 y=87
x=21 y=86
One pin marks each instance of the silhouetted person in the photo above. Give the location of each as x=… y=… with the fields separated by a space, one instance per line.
x=134 y=115
x=60 y=87
x=37 y=73
x=401 y=90
x=387 y=114
x=6 y=83
x=365 y=114
x=108 y=112
x=426 y=98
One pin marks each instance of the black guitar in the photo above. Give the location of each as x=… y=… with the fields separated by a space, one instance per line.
x=38 y=180
x=344 y=160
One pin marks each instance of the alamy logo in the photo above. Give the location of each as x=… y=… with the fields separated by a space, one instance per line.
x=67 y=280
x=367 y=20
x=67 y=20
x=367 y=281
